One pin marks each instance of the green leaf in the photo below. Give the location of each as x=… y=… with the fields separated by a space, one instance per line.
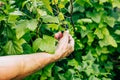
x=36 y=44
x=53 y=26
x=21 y=41
x=61 y=16
x=16 y=13
x=47 y=72
x=58 y=69
x=105 y=31
x=47 y=44
x=24 y=26
x=2 y=17
x=85 y=20
x=10 y=33
x=110 y=21
x=73 y=62
x=47 y=5
x=99 y=34
x=108 y=40
x=89 y=71
x=104 y=78
x=117 y=32
x=50 y=19
x=111 y=41
x=90 y=38
x=61 y=77
x=93 y=78
x=32 y=24
x=21 y=29
x=102 y=50
x=104 y=57
x=13 y=47
x=41 y=12
x=88 y=57
x=95 y=16
x=12 y=18
x=83 y=2
x=27 y=48
x=95 y=68
x=77 y=8
x=116 y=3
x=103 y=1
x=80 y=2
x=78 y=45
x=84 y=33
x=109 y=66
x=54 y=2
x=69 y=74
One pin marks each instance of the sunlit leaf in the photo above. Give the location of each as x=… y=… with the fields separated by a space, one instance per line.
x=36 y=44
x=26 y=25
x=32 y=24
x=54 y=2
x=116 y=3
x=103 y=1
x=61 y=16
x=53 y=26
x=108 y=40
x=21 y=29
x=90 y=38
x=110 y=21
x=117 y=32
x=85 y=20
x=50 y=19
x=48 y=44
x=47 y=4
x=73 y=62
x=13 y=47
x=88 y=57
x=99 y=34
x=93 y=78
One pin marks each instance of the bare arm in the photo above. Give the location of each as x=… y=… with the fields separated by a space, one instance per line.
x=19 y=66
x=16 y=67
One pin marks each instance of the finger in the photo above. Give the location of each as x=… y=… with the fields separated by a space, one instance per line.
x=65 y=36
x=64 y=41
x=66 y=33
x=58 y=35
x=71 y=41
x=70 y=46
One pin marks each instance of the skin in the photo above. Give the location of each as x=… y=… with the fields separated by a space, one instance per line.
x=17 y=67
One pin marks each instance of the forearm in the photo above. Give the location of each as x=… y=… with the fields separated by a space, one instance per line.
x=16 y=67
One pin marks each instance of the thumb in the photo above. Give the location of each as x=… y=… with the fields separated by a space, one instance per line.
x=66 y=33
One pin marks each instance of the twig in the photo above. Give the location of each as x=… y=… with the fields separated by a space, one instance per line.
x=71 y=13
x=57 y=9
x=38 y=33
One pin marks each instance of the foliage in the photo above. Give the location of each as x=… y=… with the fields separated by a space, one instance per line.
x=28 y=26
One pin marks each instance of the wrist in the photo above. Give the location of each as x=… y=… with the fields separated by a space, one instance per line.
x=55 y=57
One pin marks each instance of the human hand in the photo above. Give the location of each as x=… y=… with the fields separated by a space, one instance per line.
x=65 y=45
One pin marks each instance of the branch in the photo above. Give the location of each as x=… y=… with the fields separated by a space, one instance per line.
x=71 y=13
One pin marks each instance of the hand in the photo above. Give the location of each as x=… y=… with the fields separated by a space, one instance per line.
x=65 y=46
